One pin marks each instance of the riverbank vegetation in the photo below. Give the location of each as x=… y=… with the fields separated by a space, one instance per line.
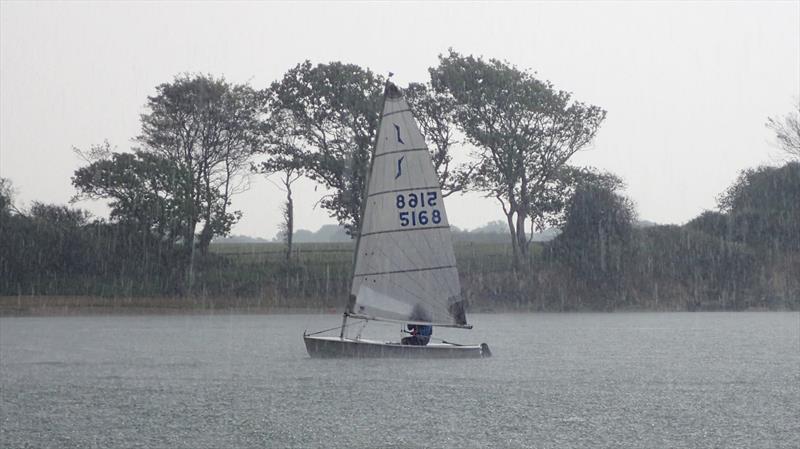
x=202 y=136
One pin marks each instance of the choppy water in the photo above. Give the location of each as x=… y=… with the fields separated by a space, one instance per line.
x=556 y=380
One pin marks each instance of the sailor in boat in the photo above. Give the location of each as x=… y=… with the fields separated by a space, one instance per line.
x=420 y=335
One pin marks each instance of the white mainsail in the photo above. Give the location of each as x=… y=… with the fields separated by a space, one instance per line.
x=405 y=269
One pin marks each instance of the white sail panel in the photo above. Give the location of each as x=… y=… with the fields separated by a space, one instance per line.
x=405 y=268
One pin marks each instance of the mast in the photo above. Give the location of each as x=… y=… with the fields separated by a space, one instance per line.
x=352 y=299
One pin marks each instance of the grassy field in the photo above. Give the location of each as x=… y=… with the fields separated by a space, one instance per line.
x=320 y=273
x=470 y=256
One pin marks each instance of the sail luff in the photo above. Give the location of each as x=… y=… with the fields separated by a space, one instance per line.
x=351 y=300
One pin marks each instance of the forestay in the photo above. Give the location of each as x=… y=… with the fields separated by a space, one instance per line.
x=405 y=269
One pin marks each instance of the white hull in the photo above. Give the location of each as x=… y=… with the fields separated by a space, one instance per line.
x=333 y=347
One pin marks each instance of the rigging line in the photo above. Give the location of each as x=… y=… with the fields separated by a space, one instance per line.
x=333 y=328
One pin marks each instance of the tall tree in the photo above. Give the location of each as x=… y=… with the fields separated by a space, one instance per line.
x=334 y=109
x=281 y=136
x=787 y=131
x=144 y=190
x=208 y=128
x=524 y=129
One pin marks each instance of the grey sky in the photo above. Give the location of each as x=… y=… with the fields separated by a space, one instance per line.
x=687 y=86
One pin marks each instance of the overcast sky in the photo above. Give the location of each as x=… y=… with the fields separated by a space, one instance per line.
x=687 y=86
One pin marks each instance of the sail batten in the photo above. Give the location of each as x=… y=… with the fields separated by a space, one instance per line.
x=409 y=150
x=390 y=231
x=407 y=189
x=405 y=269
x=396 y=112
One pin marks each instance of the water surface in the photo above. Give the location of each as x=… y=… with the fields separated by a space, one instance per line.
x=556 y=380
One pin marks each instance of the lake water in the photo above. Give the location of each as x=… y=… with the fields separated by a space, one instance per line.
x=638 y=380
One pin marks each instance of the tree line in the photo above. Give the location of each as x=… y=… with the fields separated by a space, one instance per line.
x=201 y=137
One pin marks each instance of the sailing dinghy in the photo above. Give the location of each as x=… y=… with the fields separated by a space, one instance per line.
x=404 y=267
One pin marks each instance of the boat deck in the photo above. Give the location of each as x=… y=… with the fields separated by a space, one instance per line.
x=332 y=347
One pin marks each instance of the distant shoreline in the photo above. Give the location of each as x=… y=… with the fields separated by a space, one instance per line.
x=30 y=306
x=95 y=305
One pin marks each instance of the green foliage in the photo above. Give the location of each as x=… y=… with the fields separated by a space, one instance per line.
x=334 y=110
x=57 y=250
x=702 y=269
x=595 y=240
x=525 y=131
x=144 y=189
x=710 y=222
x=208 y=128
x=763 y=208
x=551 y=207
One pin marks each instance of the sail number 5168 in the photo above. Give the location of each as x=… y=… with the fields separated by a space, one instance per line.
x=414 y=201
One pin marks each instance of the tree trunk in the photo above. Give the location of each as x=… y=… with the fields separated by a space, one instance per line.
x=289 y=220
x=513 y=234
x=522 y=241
x=204 y=239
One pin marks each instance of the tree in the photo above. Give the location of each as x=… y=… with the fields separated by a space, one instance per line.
x=6 y=197
x=524 y=129
x=595 y=238
x=144 y=190
x=787 y=131
x=287 y=211
x=279 y=148
x=548 y=209
x=763 y=207
x=208 y=128
x=334 y=109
